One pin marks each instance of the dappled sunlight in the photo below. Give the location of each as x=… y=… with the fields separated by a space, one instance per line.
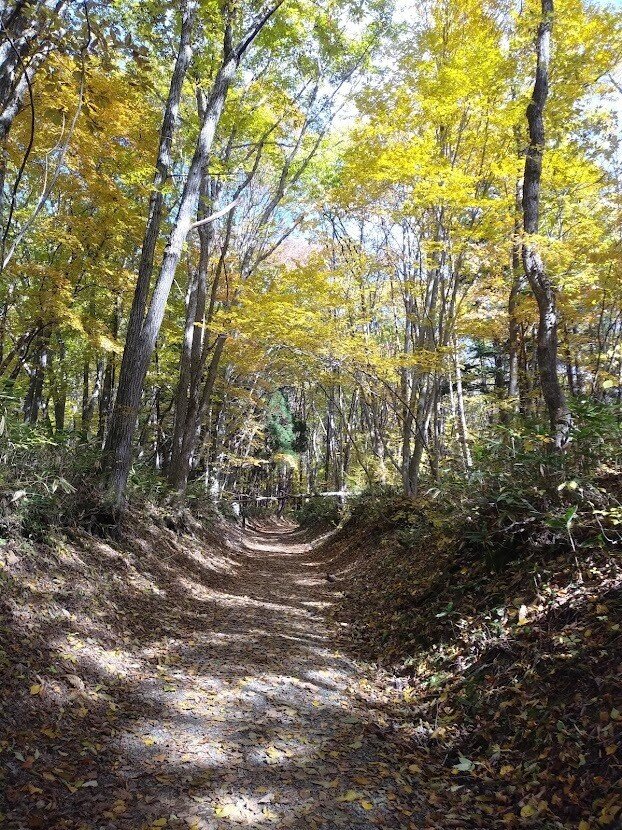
x=195 y=691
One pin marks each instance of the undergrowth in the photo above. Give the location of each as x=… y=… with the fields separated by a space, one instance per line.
x=50 y=481
x=319 y=512
x=496 y=605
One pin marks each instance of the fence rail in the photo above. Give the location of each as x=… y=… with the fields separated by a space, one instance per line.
x=298 y=499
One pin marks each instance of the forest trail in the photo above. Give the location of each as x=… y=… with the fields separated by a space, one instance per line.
x=231 y=706
x=276 y=724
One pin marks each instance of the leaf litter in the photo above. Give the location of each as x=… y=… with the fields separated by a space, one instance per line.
x=205 y=681
x=186 y=681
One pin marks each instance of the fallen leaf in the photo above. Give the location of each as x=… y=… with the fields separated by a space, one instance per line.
x=269 y=814
x=350 y=796
x=464 y=765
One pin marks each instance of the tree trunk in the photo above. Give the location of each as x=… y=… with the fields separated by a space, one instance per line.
x=514 y=339
x=539 y=280
x=164 y=163
x=140 y=343
x=106 y=397
x=193 y=353
x=90 y=397
x=196 y=410
x=34 y=395
x=463 y=434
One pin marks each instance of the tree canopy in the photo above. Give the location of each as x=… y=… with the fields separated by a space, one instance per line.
x=401 y=225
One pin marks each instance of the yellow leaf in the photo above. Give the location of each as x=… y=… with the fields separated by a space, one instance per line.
x=269 y=814
x=148 y=741
x=225 y=811
x=528 y=811
x=160 y=822
x=367 y=805
x=273 y=753
x=583 y=825
x=350 y=796
x=36 y=689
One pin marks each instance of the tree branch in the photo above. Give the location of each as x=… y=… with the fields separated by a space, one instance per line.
x=214 y=216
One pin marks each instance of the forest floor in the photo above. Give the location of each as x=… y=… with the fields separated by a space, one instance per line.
x=172 y=681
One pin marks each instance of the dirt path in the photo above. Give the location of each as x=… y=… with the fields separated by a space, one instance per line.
x=277 y=725
x=248 y=716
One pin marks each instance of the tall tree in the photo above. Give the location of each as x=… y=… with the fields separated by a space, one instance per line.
x=141 y=341
x=539 y=279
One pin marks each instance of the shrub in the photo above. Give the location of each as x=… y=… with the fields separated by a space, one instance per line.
x=319 y=510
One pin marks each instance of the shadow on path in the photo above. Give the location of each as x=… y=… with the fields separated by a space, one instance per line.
x=194 y=686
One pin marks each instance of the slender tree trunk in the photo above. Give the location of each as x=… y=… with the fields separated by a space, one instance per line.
x=330 y=428
x=193 y=352
x=514 y=339
x=85 y=397
x=435 y=440
x=34 y=396
x=513 y=343
x=570 y=376
x=140 y=345
x=421 y=420
x=535 y=271
x=501 y=387
x=461 y=415
x=4 y=313
x=59 y=387
x=60 y=405
x=90 y=396
x=197 y=407
x=106 y=397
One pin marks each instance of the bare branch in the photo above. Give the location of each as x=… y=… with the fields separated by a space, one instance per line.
x=213 y=216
